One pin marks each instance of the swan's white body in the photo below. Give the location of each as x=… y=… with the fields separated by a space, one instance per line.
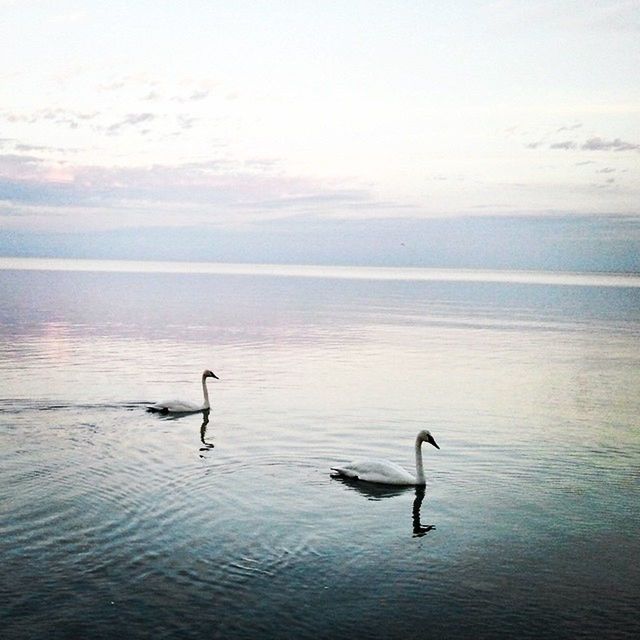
x=385 y=471
x=183 y=406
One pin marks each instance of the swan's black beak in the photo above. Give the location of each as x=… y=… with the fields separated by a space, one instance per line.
x=433 y=442
x=213 y=375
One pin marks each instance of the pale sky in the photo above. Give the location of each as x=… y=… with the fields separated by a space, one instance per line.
x=210 y=115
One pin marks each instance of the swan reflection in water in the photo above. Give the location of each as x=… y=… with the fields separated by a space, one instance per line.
x=372 y=491
x=203 y=427
x=203 y=431
x=418 y=528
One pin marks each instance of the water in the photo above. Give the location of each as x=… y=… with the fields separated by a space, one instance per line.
x=119 y=523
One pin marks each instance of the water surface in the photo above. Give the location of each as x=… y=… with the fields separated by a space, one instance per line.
x=115 y=522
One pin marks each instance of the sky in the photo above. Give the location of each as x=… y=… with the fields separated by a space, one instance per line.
x=468 y=133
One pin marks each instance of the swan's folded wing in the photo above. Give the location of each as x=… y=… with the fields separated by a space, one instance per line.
x=175 y=406
x=374 y=470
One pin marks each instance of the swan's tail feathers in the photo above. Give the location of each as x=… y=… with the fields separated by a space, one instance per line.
x=343 y=473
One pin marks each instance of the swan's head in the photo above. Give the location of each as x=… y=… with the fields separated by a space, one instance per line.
x=209 y=374
x=425 y=436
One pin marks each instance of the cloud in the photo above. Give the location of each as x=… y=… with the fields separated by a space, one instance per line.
x=29 y=148
x=599 y=144
x=186 y=122
x=567 y=144
x=130 y=120
x=302 y=201
x=572 y=127
x=149 y=88
x=134 y=81
x=22 y=148
x=216 y=188
x=28 y=179
x=198 y=95
x=67 y=117
x=33 y=192
x=21 y=167
x=591 y=144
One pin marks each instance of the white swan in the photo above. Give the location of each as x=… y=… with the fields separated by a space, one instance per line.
x=182 y=406
x=385 y=471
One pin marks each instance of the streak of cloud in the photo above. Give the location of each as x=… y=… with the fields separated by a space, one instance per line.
x=67 y=117
x=599 y=144
x=130 y=120
x=567 y=144
x=572 y=127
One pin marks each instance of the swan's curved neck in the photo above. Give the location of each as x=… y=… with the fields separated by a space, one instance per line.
x=205 y=392
x=419 y=468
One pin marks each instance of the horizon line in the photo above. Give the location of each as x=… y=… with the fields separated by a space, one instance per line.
x=343 y=272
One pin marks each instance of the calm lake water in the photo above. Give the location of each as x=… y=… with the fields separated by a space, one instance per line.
x=116 y=523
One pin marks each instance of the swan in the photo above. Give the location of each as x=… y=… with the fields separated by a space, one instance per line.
x=182 y=406
x=385 y=471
